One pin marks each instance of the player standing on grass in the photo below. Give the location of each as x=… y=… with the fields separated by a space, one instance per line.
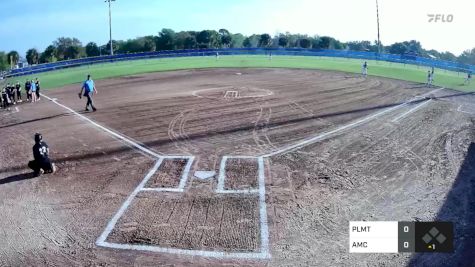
x=364 y=69
x=89 y=89
x=429 y=78
x=469 y=77
x=41 y=163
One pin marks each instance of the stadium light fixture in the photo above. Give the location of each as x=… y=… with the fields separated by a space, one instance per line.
x=110 y=26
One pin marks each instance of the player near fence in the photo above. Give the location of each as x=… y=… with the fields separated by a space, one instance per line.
x=41 y=163
x=89 y=89
x=469 y=78
x=364 y=69
x=430 y=78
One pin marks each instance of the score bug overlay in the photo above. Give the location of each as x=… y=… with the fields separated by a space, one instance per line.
x=397 y=237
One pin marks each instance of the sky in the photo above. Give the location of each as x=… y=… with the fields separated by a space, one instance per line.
x=36 y=24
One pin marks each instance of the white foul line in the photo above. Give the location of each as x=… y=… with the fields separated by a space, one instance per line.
x=411 y=110
x=342 y=128
x=114 y=134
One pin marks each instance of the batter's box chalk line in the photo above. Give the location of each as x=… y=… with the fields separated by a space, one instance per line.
x=183 y=178
x=263 y=252
x=222 y=176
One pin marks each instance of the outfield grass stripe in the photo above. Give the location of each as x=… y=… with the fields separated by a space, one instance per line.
x=412 y=73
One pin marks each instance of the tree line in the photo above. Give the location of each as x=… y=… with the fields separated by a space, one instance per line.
x=66 y=48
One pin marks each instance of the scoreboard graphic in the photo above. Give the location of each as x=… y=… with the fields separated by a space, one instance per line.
x=397 y=237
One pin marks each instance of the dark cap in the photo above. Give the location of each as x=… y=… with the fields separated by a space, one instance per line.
x=38 y=137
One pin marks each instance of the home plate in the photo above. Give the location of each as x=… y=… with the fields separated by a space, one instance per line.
x=204 y=174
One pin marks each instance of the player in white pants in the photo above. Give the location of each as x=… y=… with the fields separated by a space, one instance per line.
x=430 y=78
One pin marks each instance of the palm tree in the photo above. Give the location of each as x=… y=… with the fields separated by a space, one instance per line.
x=13 y=57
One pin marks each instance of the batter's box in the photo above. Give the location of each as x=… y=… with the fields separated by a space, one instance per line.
x=224 y=223
x=171 y=175
x=239 y=174
x=167 y=221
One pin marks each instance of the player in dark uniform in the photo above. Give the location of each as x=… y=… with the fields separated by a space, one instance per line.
x=469 y=77
x=37 y=83
x=5 y=99
x=41 y=163
x=11 y=93
x=18 y=92
x=28 y=90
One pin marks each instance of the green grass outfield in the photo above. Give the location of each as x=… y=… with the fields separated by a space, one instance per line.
x=58 y=78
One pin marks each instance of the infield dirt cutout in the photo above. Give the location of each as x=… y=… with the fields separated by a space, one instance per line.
x=308 y=152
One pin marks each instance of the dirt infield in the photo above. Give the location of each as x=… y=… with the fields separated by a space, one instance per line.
x=296 y=155
x=220 y=223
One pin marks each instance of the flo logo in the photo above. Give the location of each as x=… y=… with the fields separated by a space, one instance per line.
x=440 y=17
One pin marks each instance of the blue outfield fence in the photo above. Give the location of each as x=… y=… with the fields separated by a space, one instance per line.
x=405 y=59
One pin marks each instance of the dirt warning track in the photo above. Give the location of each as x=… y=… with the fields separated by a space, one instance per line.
x=267 y=141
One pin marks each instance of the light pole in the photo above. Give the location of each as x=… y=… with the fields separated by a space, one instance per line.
x=377 y=21
x=110 y=25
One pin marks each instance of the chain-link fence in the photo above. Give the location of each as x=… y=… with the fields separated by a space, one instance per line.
x=404 y=59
